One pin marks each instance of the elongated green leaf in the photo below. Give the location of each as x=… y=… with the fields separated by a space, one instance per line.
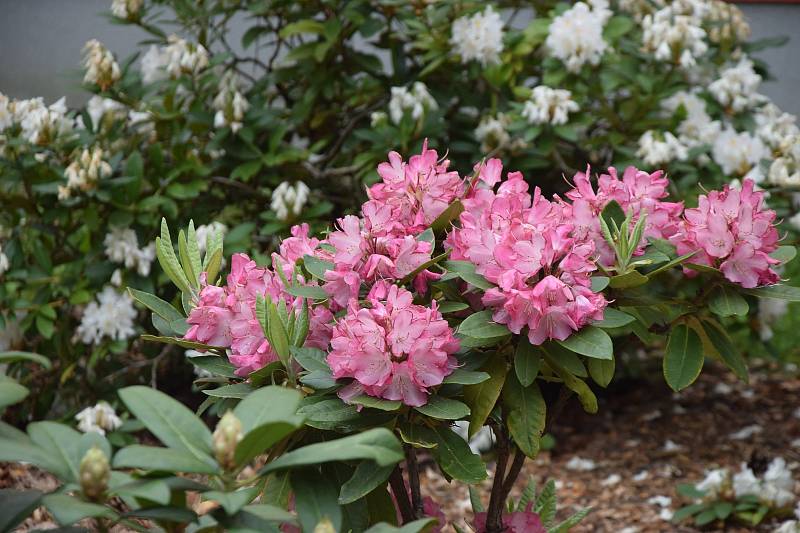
x=526 y=414
x=602 y=371
x=193 y=250
x=308 y=291
x=316 y=267
x=156 y=305
x=168 y=260
x=17 y=505
x=481 y=326
x=628 y=280
x=270 y=513
x=417 y=526
x=613 y=214
x=19 y=448
x=163 y=459
x=186 y=262
x=237 y=390
x=725 y=349
x=446 y=218
x=269 y=404
x=452 y=307
x=219 y=366
x=726 y=301
x=260 y=439
x=378 y=445
x=278 y=337
x=466 y=271
x=191 y=345
x=232 y=501
x=599 y=283
x=11 y=392
x=443 y=408
x=565 y=358
x=68 y=510
x=482 y=397
x=169 y=420
x=310 y=358
x=683 y=359
x=62 y=442
x=614 y=318
x=461 y=376
x=784 y=254
x=366 y=478
x=376 y=403
x=316 y=499
x=453 y=455
x=526 y=362
x=14 y=356
x=778 y=292
x=591 y=342
x=154 y=490
x=578 y=386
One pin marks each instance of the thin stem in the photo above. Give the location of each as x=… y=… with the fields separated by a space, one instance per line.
x=413 y=481
x=401 y=495
x=494 y=514
x=513 y=473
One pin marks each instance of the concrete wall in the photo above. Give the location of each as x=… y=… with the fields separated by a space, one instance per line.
x=41 y=41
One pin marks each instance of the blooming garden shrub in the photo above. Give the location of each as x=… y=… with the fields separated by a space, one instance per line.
x=289 y=124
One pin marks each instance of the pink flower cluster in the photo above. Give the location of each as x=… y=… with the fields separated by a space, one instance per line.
x=732 y=231
x=517 y=522
x=225 y=316
x=525 y=245
x=383 y=244
x=637 y=192
x=393 y=349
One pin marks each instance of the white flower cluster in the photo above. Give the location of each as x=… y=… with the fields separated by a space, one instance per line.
x=482 y=442
x=98 y=108
x=790 y=526
x=738 y=154
x=204 y=233
x=492 y=132
x=231 y=105
x=101 y=67
x=122 y=246
x=785 y=169
x=289 y=199
x=737 y=86
x=674 y=34
x=726 y=21
x=576 y=35
x=4 y=263
x=178 y=57
x=40 y=124
x=697 y=128
x=659 y=148
x=774 y=488
x=549 y=106
x=774 y=126
x=82 y=174
x=100 y=418
x=416 y=101
x=111 y=316
x=478 y=37
x=126 y=9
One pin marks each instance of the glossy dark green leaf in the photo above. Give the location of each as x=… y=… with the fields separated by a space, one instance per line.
x=726 y=301
x=366 y=478
x=683 y=359
x=482 y=397
x=162 y=459
x=526 y=362
x=591 y=342
x=481 y=326
x=316 y=499
x=443 y=408
x=525 y=415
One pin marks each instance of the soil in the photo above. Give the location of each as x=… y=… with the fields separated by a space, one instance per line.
x=628 y=439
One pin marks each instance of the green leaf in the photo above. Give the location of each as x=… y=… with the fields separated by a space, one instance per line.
x=169 y=420
x=526 y=414
x=725 y=349
x=443 y=222
x=260 y=439
x=148 y=489
x=278 y=337
x=168 y=260
x=179 y=342
x=784 y=254
x=310 y=358
x=613 y=214
x=316 y=499
x=685 y=512
x=482 y=397
x=378 y=445
x=60 y=442
x=778 y=292
x=591 y=342
x=237 y=390
x=631 y=279
x=11 y=392
x=726 y=301
x=270 y=513
x=454 y=457
x=614 y=318
x=375 y=403
x=317 y=267
x=308 y=291
x=480 y=326
x=269 y=404
x=617 y=26
x=683 y=359
x=366 y=478
x=232 y=501
x=466 y=271
x=417 y=526
x=452 y=307
x=162 y=459
x=578 y=386
x=443 y=408
x=15 y=356
x=68 y=510
x=17 y=505
x=465 y=377
x=219 y=366
x=526 y=362
x=601 y=370
x=599 y=283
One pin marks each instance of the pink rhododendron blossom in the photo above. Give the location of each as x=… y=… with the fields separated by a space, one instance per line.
x=527 y=247
x=225 y=316
x=517 y=522
x=637 y=192
x=732 y=230
x=393 y=349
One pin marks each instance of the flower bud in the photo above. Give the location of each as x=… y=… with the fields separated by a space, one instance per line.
x=226 y=437
x=324 y=526
x=94 y=473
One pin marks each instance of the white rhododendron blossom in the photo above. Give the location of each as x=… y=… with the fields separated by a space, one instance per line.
x=714 y=482
x=110 y=316
x=778 y=484
x=99 y=418
x=40 y=124
x=725 y=21
x=101 y=67
x=83 y=173
x=738 y=153
x=674 y=34
x=737 y=86
x=204 y=233
x=98 y=107
x=289 y=199
x=415 y=101
x=576 y=36
x=775 y=127
x=697 y=128
x=231 y=105
x=478 y=37
x=4 y=262
x=549 y=106
x=126 y=9
x=122 y=247
x=178 y=57
x=745 y=482
x=492 y=132
x=659 y=148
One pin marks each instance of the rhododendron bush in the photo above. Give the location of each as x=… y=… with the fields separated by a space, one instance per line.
x=286 y=125
x=448 y=298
